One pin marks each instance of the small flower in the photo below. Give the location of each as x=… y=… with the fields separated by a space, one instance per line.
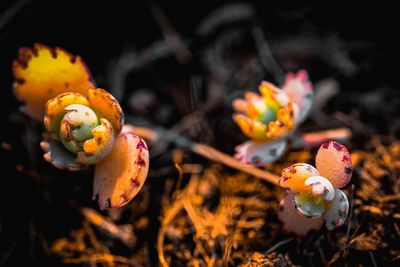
x=84 y=125
x=271 y=118
x=313 y=192
x=80 y=130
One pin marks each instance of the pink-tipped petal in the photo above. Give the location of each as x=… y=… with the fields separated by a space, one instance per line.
x=120 y=176
x=259 y=154
x=337 y=214
x=333 y=162
x=293 y=222
x=299 y=90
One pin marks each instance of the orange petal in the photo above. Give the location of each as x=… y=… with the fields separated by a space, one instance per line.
x=106 y=106
x=251 y=128
x=119 y=177
x=294 y=177
x=333 y=162
x=99 y=146
x=42 y=73
x=54 y=111
x=293 y=222
x=251 y=96
x=240 y=105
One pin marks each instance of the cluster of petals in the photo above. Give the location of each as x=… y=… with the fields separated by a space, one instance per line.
x=313 y=192
x=271 y=118
x=84 y=124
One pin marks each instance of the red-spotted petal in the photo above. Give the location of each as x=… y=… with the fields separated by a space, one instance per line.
x=294 y=177
x=106 y=106
x=333 y=161
x=119 y=177
x=42 y=73
x=293 y=222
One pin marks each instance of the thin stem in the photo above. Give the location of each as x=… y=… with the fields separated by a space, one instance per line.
x=205 y=151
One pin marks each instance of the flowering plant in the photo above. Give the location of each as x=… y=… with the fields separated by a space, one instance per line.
x=314 y=194
x=84 y=124
x=269 y=120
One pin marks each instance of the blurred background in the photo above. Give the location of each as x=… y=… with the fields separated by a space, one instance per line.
x=179 y=66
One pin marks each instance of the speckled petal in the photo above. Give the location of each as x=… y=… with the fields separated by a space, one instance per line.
x=337 y=214
x=293 y=222
x=106 y=106
x=321 y=187
x=294 y=177
x=119 y=177
x=59 y=156
x=99 y=146
x=259 y=154
x=299 y=90
x=55 y=110
x=333 y=162
x=309 y=206
x=42 y=73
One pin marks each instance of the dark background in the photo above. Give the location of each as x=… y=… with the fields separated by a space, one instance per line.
x=101 y=31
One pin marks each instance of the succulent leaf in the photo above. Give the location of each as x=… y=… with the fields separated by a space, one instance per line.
x=76 y=126
x=294 y=177
x=56 y=154
x=321 y=187
x=308 y=205
x=98 y=147
x=119 y=177
x=55 y=111
x=106 y=106
x=333 y=162
x=42 y=73
x=293 y=222
x=337 y=214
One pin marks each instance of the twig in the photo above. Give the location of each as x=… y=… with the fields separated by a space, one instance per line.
x=12 y=12
x=277 y=245
x=266 y=57
x=205 y=151
x=313 y=139
x=182 y=53
x=119 y=232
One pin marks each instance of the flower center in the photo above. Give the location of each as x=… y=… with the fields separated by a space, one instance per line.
x=76 y=127
x=265 y=110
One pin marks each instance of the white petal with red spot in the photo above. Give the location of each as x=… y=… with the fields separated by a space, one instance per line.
x=321 y=187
